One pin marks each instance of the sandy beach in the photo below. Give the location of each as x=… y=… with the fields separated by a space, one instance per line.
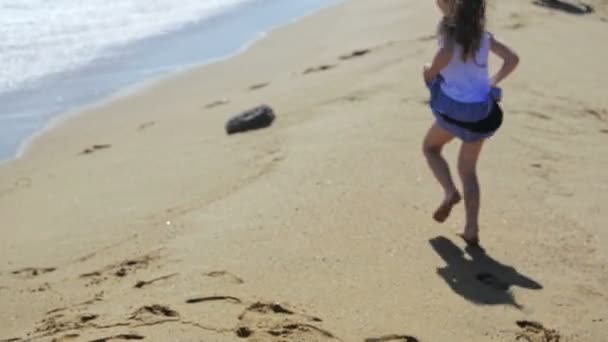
x=141 y=219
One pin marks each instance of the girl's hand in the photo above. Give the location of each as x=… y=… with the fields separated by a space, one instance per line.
x=426 y=73
x=440 y=61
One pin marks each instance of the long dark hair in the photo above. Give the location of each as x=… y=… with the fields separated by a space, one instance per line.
x=466 y=26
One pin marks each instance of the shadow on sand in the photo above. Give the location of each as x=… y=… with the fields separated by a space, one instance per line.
x=479 y=278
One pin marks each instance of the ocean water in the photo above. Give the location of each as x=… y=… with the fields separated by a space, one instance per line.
x=59 y=55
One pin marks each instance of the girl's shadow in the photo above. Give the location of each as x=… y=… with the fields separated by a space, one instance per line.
x=479 y=278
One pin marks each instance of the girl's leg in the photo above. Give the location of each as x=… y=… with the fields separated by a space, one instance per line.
x=434 y=141
x=467 y=164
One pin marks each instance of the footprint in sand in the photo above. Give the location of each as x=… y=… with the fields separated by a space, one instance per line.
x=95 y=148
x=213 y=299
x=535 y=332
x=599 y=114
x=392 y=338
x=225 y=275
x=152 y=313
x=60 y=323
x=88 y=317
x=98 y=297
x=267 y=308
x=259 y=86
x=20 y=183
x=72 y=319
x=217 y=103
x=120 y=270
x=538 y=115
x=605 y=131
x=23 y=182
x=353 y=98
x=319 y=68
x=565 y=6
x=355 y=54
x=146 y=125
x=518 y=21
x=33 y=272
x=41 y=288
x=273 y=322
x=259 y=321
x=66 y=338
x=515 y=26
x=141 y=284
x=119 y=337
x=427 y=38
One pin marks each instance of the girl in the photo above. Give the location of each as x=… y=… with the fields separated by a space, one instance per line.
x=464 y=102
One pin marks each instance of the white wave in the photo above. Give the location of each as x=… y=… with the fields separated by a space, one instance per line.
x=42 y=37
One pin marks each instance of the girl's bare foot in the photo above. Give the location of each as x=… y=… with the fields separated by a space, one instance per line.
x=444 y=210
x=470 y=236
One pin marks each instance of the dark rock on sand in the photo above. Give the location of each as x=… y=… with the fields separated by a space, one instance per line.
x=255 y=118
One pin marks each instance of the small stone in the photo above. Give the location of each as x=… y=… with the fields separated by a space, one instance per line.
x=255 y=118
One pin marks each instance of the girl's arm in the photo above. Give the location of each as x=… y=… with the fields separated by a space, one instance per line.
x=509 y=57
x=441 y=60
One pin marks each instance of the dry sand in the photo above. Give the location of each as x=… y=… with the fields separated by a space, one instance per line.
x=319 y=228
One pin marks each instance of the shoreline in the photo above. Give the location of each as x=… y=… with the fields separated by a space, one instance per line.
x=123 y=93
x=138 y=84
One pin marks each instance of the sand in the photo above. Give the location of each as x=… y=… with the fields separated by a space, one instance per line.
x=142 y=220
